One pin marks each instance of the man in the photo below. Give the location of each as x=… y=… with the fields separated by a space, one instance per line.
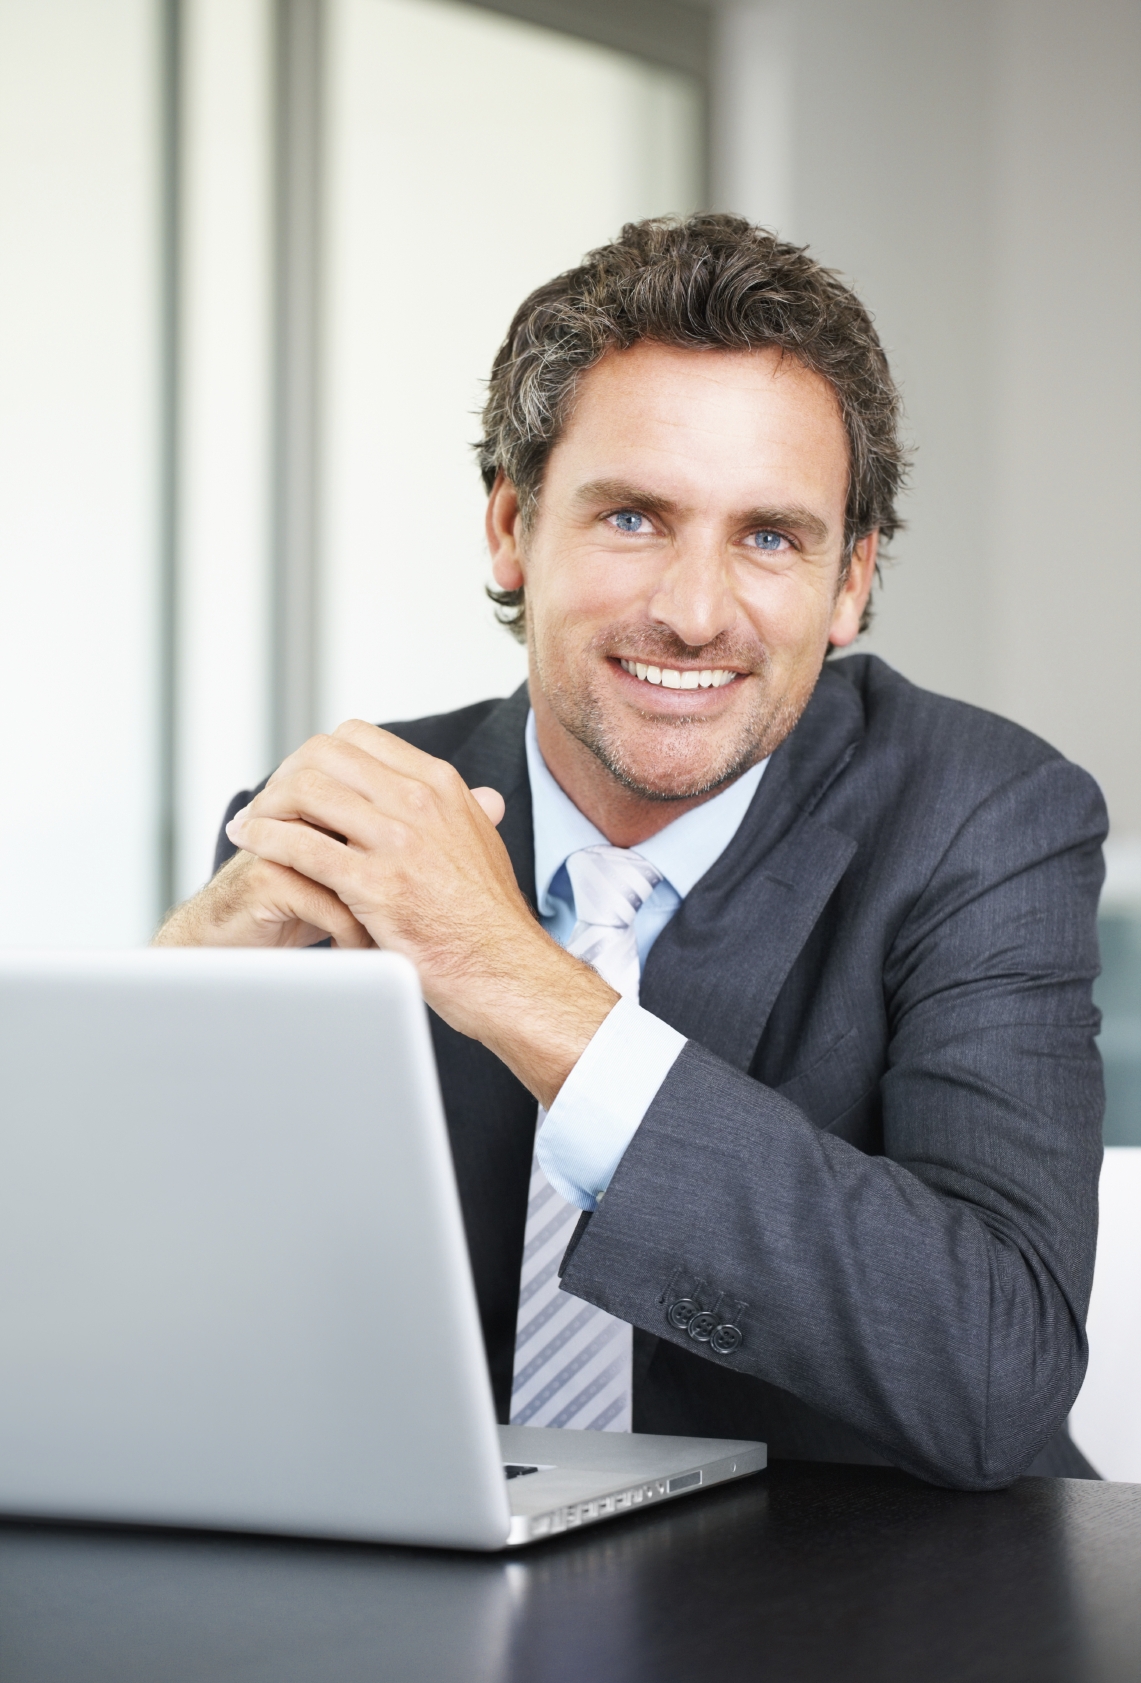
x=838 y=1160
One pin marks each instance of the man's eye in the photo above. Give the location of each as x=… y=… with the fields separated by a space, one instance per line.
x=770 y=542
x=628 y=521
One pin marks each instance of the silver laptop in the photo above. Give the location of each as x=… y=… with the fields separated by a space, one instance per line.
x=234 y=1286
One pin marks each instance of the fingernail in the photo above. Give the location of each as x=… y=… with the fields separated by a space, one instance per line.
x=236 y=823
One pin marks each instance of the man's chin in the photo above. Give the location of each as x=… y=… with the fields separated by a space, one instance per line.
x=645 y=770
x=685 y=759
x=665 y=793
x=676 y=757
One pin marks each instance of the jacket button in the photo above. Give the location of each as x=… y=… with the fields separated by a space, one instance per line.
x=725 y=1339
x=680 y=1314
x=701 y=1326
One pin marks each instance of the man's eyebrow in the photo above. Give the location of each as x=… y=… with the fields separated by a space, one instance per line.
x=795 y=519
x=619 y=493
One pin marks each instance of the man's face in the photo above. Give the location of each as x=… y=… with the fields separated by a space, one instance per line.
x=683 y=569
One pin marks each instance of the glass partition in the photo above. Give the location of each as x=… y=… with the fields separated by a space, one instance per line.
x=1118 y=993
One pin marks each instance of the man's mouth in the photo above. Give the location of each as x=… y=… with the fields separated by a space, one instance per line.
x=671 y=678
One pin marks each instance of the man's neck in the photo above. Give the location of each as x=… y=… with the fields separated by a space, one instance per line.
x=624 y=816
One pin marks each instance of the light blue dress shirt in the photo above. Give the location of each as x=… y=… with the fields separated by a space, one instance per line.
x=609 y=1090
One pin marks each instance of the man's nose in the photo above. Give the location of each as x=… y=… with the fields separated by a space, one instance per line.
x=693 y=596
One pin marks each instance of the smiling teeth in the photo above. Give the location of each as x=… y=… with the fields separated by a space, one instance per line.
x=712 y=678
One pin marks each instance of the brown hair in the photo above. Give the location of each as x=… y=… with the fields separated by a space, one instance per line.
x=708 y=282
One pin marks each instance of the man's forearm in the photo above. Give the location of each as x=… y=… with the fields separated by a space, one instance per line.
x=535 y=1007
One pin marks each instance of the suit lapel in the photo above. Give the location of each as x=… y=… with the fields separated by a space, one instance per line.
x=496 y=755
x=716 y=969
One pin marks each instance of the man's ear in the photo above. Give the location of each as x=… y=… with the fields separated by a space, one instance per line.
x=852 y=598
x=504 y=527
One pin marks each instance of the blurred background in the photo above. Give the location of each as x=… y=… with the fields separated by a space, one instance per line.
x=258 y=255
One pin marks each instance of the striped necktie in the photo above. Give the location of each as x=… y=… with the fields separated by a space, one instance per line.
x=573 y=1361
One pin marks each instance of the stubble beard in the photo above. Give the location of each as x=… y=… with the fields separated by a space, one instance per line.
x=686 y=767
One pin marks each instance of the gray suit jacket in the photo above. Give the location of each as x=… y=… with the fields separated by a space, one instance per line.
x=878 y=1155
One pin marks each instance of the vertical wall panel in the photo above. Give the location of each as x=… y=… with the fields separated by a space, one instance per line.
x=79 y=469
x=223 y=595
x=469 y=158
x=298 y=239
x=753 y=112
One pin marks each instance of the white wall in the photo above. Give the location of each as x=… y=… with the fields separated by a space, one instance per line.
x=976 y=170
x=223 y=609
x=1106 y=1420
x=470 y=158
x=79 y=409
x=1067 y=357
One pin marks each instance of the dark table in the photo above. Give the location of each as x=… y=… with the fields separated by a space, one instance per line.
x=803 y=1573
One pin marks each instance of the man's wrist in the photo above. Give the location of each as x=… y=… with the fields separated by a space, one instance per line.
x=212 y=917
x=538 y=1009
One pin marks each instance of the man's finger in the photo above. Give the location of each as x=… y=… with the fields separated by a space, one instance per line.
x=350 y=759
x=319 y=907
x=253 y=902
x=375 y=764
x=337 y=788
x=321 y=800
x=492 y=803
x=398 y=755
x=381 y=744
x=299 y=847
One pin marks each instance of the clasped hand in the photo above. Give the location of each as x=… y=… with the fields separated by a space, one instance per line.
x=365 y=838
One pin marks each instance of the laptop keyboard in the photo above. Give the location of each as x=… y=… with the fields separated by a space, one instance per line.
x=515 y=1469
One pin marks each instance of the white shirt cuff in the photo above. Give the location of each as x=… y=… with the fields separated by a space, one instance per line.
x=602 y=1102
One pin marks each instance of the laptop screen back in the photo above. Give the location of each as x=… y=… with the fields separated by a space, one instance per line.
x=234 y=1288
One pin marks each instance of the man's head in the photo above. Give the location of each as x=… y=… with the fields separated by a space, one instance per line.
x=691 y=449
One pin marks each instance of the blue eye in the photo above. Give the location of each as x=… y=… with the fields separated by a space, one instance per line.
x=628 y=521
x=768 y=541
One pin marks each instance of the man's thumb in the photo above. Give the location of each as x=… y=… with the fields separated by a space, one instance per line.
x=492 y=803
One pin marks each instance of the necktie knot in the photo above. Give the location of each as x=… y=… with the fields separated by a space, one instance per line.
x=610 y=885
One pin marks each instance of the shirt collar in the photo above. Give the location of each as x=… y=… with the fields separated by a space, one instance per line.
x=682 y=852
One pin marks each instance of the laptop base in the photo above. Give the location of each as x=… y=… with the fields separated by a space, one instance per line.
x=584 y=1477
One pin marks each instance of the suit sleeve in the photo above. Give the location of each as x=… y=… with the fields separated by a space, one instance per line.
x=224 y=848
x=934 y=1297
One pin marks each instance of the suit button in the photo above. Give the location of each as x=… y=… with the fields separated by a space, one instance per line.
x=680 y=1314
x=725 y=1339
x=701 y=1326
